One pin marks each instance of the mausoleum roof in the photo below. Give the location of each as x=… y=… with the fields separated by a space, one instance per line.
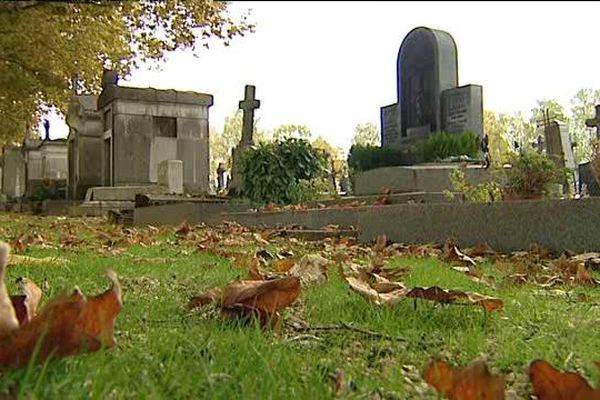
x=151 y=95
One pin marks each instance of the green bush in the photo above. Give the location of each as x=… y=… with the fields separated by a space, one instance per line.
x=439 y=146
x=532 y=173
x=364 y=158
x=282 y=172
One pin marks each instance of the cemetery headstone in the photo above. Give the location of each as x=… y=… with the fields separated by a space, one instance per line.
x=560 y=148
x=248 y=105
x=429 y=99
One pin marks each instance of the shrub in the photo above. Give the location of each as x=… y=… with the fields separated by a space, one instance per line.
x=282 y=172
x=439 y=146
x=532 y=173
x=364 y=158
x=486 y=192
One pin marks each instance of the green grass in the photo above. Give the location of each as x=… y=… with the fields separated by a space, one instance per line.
x=165 y=351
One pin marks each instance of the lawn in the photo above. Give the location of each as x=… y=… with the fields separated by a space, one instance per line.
x=165 y=350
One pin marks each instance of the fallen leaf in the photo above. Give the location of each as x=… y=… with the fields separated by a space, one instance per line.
x=26 y=304
x=283 y=265
x=263 y=299
x=389 y=297
x=474 y=382
x=8 y=318
x=310 y=268
x=440 y=295
x=67 y=325
x=550 y=383
x=454 y=254
x=384 y=198
x=583 y=276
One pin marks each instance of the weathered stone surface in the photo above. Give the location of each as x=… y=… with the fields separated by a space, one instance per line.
x=416 y=178
x=462 y=109
x=13 y=173
x=429 y=99
x=170 y=175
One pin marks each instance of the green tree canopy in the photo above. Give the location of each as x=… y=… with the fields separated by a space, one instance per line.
x=44 y=44
x=291 y=131
x=496 y=127
x=582 y=108
x=366 y=134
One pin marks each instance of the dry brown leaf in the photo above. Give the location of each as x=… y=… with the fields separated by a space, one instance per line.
x=479 y=250
x=440 y=295
x=390 y=297
x=67 y=325
x=550 y=383
x=475 y=382
x=310 y=268
x=384 y=198
x=26 y=304
x=262 y=299
x=283 y=265
x=584 y=277
x=213 y=295
x=454 y=254
x=8 y=318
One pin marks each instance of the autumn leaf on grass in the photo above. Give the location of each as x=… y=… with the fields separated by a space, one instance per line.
x=283 y=265
x=8 y=318
x=382 y=291
x=67 y=325
x=453 y=254
x=550 y=383
x=389 y=293
x=262 y=299
x=440 y=295
x=310 y=268
x=474 y=382
x=26 y=304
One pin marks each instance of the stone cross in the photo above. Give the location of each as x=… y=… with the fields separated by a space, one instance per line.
x=248 y=105
x=595 y=122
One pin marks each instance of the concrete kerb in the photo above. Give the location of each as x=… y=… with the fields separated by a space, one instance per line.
x=506 y=226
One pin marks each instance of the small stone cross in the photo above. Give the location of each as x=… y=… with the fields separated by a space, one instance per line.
x=595 y=122
x=248 y=105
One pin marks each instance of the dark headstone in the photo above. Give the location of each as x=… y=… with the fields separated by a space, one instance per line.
x=426 y=66
x=586 y=177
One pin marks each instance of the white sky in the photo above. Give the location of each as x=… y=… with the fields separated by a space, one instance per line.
x=331 y=65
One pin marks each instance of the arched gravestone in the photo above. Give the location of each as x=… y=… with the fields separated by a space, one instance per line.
x=429 y=98
x=426 y=66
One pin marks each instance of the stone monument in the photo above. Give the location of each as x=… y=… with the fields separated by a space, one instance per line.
x=248 y=105
x=84 y=145
x=429 y=98
x=141 y=127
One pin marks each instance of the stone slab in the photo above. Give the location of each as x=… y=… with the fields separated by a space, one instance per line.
x=121 y=193
x=559 y=225
x=416 y=178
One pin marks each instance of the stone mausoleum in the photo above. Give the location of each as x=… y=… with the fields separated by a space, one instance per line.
x=37 y=169
x=121 y=138
x=429 y=98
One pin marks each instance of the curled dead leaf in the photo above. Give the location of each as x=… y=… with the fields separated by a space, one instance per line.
x=310 y=268
x=26 y=304
x=474 y=382
x=550 y=383
x=8 y=318
x=262 y=299
x=67 y=325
